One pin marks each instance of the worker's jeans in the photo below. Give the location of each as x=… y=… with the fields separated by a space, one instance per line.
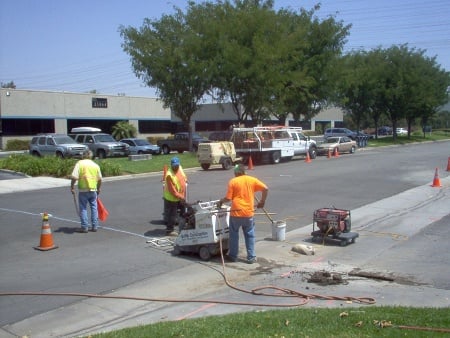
x=248 y=228
x=171 y=214
x=85 y=198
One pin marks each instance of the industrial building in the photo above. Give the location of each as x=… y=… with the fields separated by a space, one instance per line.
x=24 y=113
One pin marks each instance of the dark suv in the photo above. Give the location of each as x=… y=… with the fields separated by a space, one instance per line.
x=59 y=145
x=102 y=145
x=340 y=132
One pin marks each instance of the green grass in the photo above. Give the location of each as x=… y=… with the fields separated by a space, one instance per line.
x=302 y=322
x=404 y=139
x=188 y=160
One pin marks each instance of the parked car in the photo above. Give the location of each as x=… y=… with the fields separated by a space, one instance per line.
x=180 y=142
x=401 y=131
x=220 y=136
x=102 y=145
x=331 y=132
x=59 y=145
x=141 y=146
x=385 y=130
x=341 y=143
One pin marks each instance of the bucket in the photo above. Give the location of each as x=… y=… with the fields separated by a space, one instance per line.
x=278 y=230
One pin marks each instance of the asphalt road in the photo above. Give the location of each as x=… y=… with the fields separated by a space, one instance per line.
x=118 y=255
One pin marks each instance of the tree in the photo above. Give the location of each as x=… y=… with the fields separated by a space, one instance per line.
x=246 y=55
x=10 y=85
x=167 y=54
x=123 y=129
x=399 y=82
x=355 y=89
x=315 y=47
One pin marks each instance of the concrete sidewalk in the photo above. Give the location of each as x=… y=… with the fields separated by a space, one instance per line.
x=420 y=206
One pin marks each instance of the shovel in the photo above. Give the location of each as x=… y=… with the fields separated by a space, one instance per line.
x=265 y=212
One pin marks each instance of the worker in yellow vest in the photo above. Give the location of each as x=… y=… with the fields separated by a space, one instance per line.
x=89 y=178
x=174 y=194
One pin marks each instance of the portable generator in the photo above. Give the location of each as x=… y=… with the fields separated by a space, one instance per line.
x=333 y=224
x=203 y=229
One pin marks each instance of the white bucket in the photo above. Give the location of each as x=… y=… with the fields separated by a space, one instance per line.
x=278 y=231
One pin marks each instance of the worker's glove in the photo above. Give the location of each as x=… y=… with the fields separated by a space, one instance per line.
x=219 y=205
x=260 y=205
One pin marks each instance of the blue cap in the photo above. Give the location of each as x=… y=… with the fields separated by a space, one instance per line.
x=175 y=161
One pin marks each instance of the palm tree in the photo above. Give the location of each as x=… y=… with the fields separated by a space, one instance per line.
x=123 y=129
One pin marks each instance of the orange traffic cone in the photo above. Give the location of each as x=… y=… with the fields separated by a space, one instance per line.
x=336 y=152
x=308 y=158
x=46 y=235
x=250 y=163
x=448 y=164
x=436 y=180
x=329 y=153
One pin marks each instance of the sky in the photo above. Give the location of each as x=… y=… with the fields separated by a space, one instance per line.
x=75 y=45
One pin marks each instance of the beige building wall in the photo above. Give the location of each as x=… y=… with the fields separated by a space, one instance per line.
x=59 y=105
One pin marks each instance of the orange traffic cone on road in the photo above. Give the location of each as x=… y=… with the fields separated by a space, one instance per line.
x=336 y=152
x=436 y=180
x=308 y=158
x=329 y=153
x=46 y=242
x=448 y=164
x=250 y=163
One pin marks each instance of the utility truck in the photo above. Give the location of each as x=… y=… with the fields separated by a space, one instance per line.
x=271 y=144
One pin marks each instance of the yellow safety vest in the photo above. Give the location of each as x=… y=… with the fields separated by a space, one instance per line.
x=88 y=176
x=167 y=194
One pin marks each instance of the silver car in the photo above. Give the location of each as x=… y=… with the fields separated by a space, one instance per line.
x=141 y=146
x=59 y=145
x=342 y=144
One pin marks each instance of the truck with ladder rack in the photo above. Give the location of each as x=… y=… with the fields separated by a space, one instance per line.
x=271 y=144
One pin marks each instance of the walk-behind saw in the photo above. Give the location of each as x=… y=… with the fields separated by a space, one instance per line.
x=203 y=229
x=333 y=225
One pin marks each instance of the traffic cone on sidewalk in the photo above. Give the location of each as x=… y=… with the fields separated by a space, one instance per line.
x=46 y=242
x=448 y=164
x=329 y=153
x=250 y=163
x=436 y=180
x=336 y=152
x=308 y=158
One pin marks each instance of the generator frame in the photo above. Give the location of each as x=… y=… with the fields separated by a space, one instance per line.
x=333 y=226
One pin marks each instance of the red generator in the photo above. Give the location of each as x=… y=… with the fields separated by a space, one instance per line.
x=333 y=224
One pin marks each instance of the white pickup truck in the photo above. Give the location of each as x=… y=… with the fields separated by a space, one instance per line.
x=272 y=144
x=302 y=143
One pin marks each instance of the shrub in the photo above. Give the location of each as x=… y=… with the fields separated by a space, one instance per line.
x=52 y=166
x=14 y=145
x=109 y=168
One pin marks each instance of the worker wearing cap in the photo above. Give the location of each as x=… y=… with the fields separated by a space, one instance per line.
x=89 y=178
x=174 y=193
x=241 y=193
